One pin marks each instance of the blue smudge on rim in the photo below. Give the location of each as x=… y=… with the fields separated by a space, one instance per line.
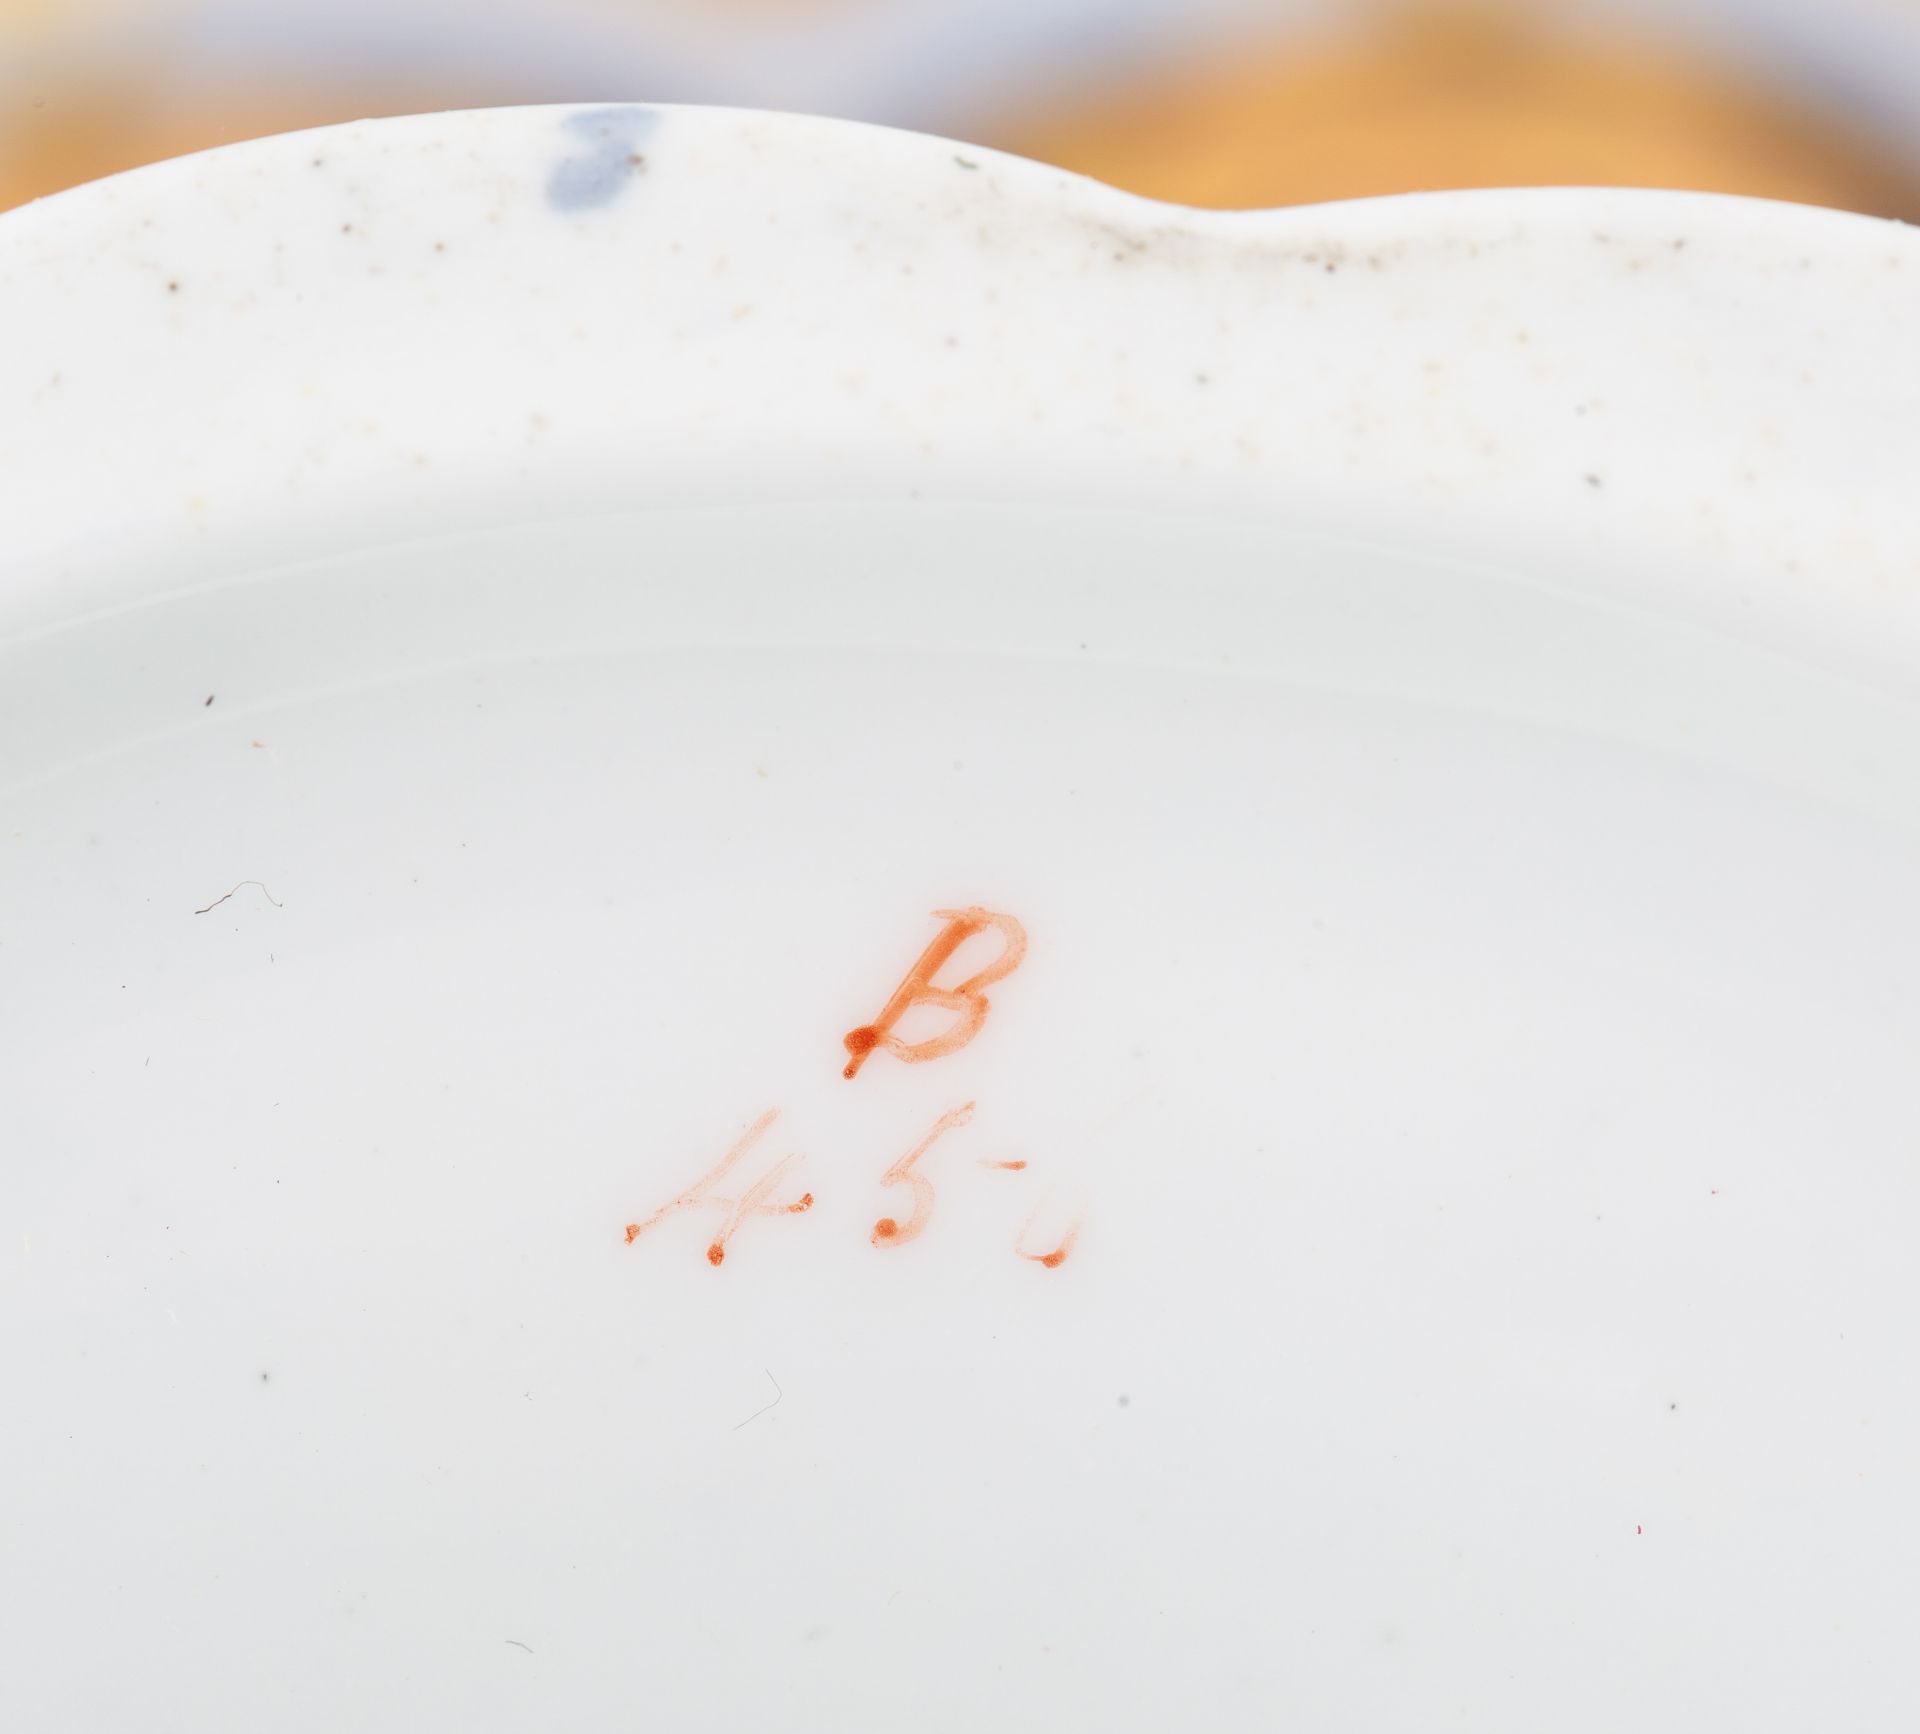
x=614 y=137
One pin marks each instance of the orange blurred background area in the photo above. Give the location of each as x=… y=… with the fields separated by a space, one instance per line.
x=1209 y=102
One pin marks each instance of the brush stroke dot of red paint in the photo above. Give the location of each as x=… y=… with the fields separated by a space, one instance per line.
x=716 y=1254
x=860 y=1043
x=886 y=1228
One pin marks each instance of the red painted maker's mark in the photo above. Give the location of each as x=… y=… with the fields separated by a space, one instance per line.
x=966 y=1000
x=1052 y=1260
x=705 y=1193
x=889 y=1232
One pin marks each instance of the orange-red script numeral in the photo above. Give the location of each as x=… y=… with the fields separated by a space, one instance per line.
x=966 y=1001
x=888 y=1232
x=705 y=1193
x=1058 y=1256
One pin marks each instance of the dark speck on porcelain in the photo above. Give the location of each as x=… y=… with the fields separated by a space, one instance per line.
x=613 y=138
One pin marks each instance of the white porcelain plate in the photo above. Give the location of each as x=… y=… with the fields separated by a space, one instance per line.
x=1343 y=781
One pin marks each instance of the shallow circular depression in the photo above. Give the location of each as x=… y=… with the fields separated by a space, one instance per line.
x=1466 y=1030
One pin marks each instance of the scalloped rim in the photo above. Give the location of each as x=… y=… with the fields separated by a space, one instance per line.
x=282 y=349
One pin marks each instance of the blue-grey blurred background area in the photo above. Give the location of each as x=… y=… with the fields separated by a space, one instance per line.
x=1215 y=102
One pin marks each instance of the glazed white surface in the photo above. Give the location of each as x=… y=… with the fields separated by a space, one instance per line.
x=491 y=694
x=393 y=321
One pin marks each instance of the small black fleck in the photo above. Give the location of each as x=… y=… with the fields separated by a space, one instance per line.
x=963 y=163
x=1679 y=242
x=319 y=162
x=439 y=246
x=1199 y=379
x=346 y=228
x=1331 y=267
x=1124 y=1399
x=1671 y=1407
x=173 y=286
x=1593 y=481
x=206 y=701
x=265 y=1378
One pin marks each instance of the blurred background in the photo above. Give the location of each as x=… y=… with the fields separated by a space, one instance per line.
x=1211 y=102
